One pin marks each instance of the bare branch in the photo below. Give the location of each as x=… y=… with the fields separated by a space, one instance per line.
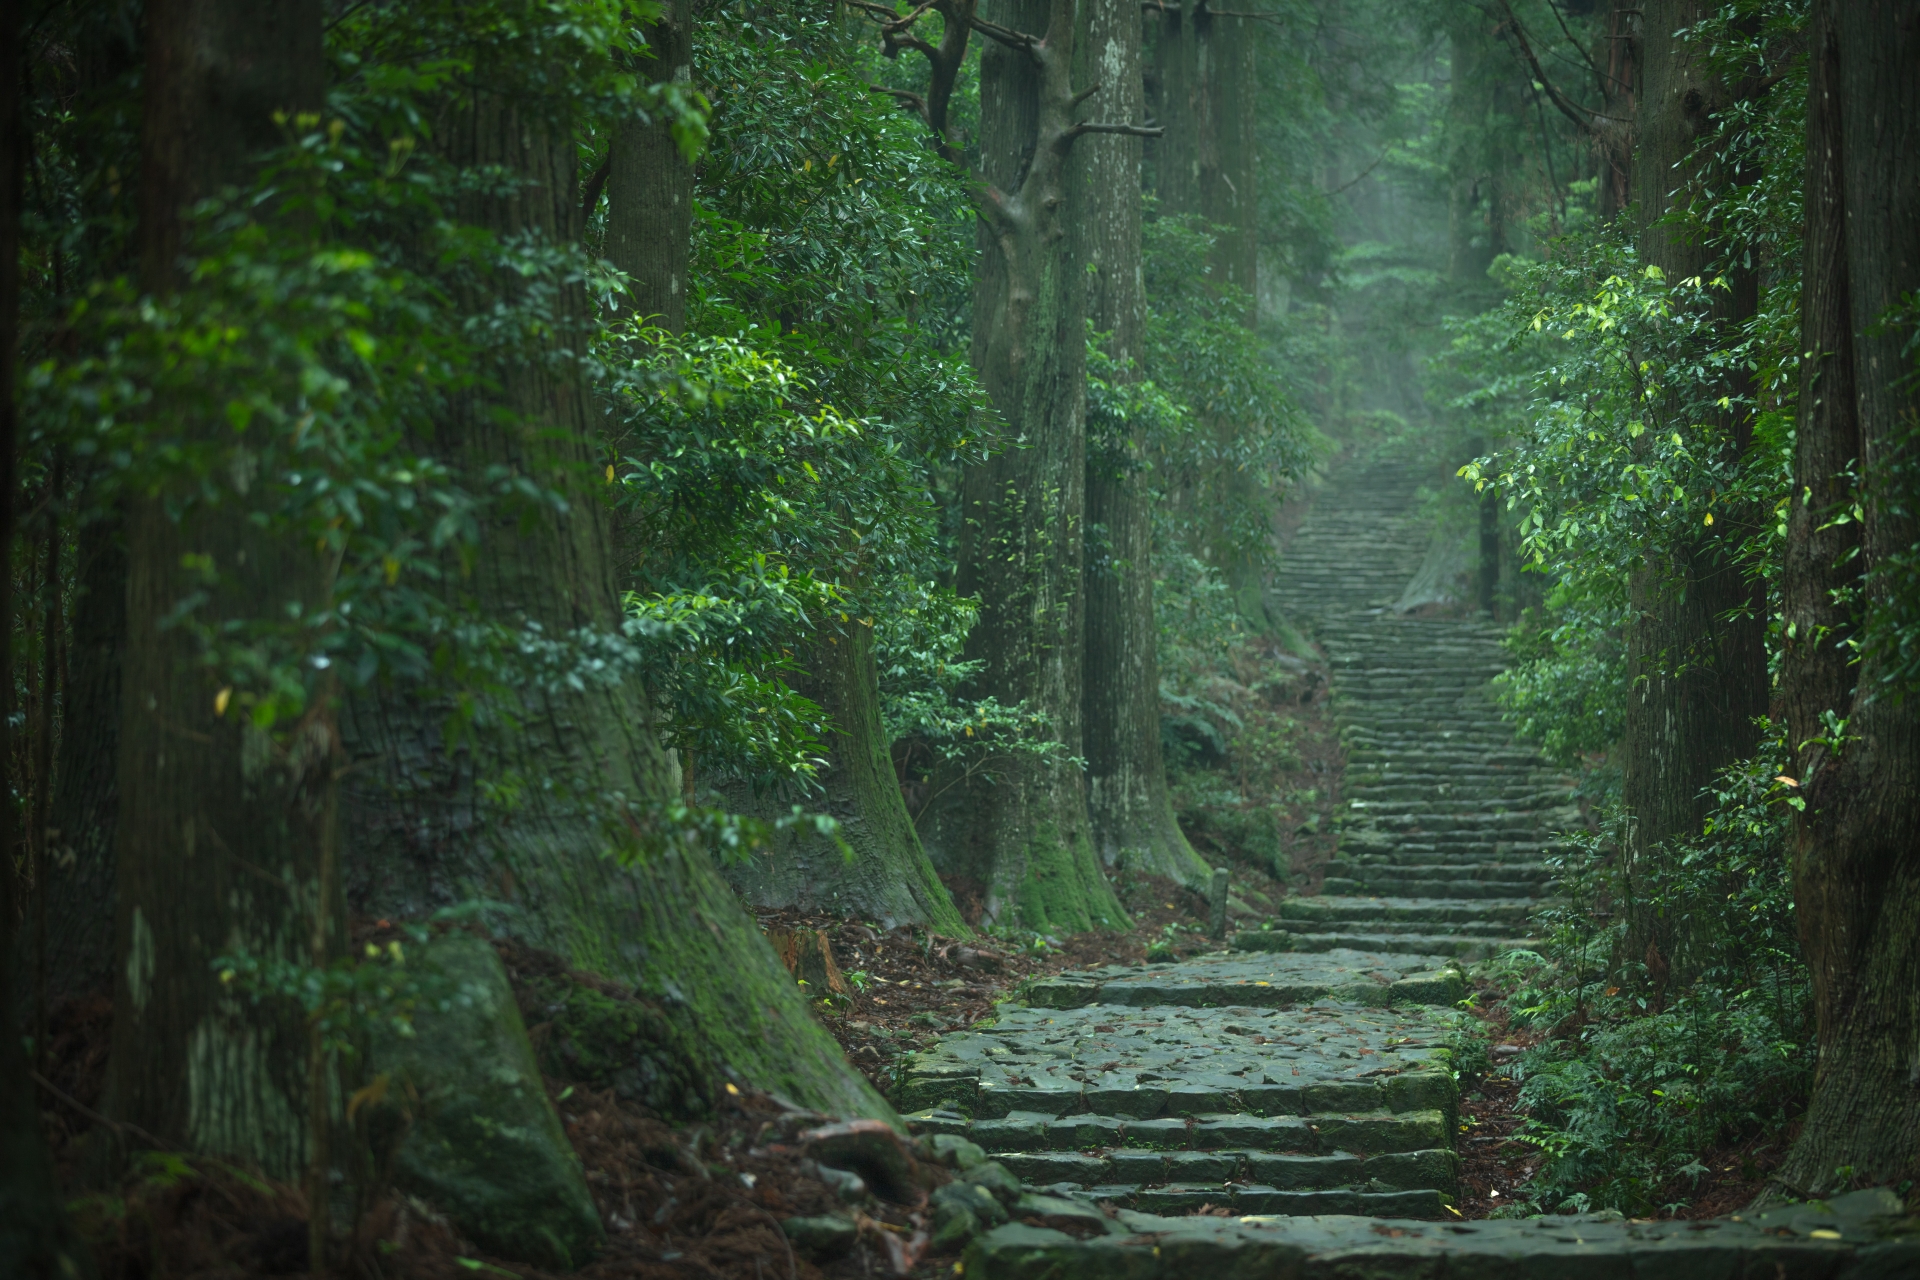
x=908 y=96
x=1083 y=95
x=1355 y=180
x=1582 y=117
x=1126 y=130
x=1006 y=36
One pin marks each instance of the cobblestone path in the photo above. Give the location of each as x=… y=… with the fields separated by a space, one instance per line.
x=1301 y=1079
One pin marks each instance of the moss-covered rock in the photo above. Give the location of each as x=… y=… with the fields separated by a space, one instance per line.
x=485 y=1146
x=590 y=1031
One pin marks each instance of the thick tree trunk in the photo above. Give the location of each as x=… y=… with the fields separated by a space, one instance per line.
x=1026 y=836
x=80 y=888
x=1127 y=796
x=649 y=226
x=423 y=833
x=79 y=884
x=888 y=878
x=222 y=830
x=1696 y=639
x=35 y=1240
x=650 y=189
x=1856 y=845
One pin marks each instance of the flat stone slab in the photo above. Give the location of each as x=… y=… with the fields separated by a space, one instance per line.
x=1172 y=1061
x=1837 y=1241
x=1426 y=910
x=1368 y=978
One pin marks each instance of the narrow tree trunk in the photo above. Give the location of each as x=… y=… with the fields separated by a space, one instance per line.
x=650 y=189
x=222 y=829
x=1613 y=133
x=1856 y=845
x=1026 y=836
x=423 y=834
x=35 y=1240
x=888 y=877
x=1127 y=797
x=1696 y=638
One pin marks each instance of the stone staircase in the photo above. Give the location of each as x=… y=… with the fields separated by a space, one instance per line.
x=1305 y=1072
x=1448 y=819
x=1302 y=1080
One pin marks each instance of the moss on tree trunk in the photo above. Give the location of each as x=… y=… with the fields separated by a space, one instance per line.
x=664 y=921
x=1025 y=835
x=1856 y=844
x=1127 y=798
x=888 y=877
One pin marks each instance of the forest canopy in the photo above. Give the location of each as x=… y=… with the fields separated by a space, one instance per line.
x=596 y=474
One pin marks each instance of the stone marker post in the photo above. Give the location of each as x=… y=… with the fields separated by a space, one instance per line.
x=1217 y=899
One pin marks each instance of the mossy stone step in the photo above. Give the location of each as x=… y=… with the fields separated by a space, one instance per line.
x=1229 y=980
x=1194 y=1148
x=1411 y=910
x=1839 y=1240
x=1409 y=887
x=1172 y=1063
x=1459 y=947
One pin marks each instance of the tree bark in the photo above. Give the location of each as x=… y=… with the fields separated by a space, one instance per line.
x=223 y=829
x=424 y=834
x=1613 y=131
x=1127 y=796
x=80 y=887
x=1856 y=844
x=1026 y=836
x=650 y=189
x=36 y=1242
x=888 y=877
x=1696 y=639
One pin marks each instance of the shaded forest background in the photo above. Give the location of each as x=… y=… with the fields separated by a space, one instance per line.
x=581 y=470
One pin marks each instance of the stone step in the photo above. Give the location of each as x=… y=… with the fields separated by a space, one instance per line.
x=1412 y=887
x=1173 y=1062
x=1227 y=980
x=1462 y=947
x=1848 y=1238
x=1457 y=873
x=1448 y=910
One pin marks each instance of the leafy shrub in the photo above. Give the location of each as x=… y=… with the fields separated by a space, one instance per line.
x=1645 y=1069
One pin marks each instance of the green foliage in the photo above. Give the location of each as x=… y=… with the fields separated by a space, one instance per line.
x=1644 y=1069
x=1566 y=688
x=1216 y=418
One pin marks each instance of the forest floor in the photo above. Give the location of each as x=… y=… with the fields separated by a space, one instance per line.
x=705 y=1200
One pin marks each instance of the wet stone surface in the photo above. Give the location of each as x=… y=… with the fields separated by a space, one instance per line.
x=1265 y=981
x=1844 y=1240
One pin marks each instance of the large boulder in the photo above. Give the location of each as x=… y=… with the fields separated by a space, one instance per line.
x=484 y=1145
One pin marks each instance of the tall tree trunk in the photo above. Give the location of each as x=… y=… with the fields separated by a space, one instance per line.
x=35 y=1240
x=1613 y=132
x=650 y=188
x=79 y=885
x=1696 y=636
x=222 y=830
x=1026 y=836
x=1206 y=165
x=888 y=877
x=649 y=230
x=423 y=833
x=1127 y=795
x=1856 y=845
x=80 y=882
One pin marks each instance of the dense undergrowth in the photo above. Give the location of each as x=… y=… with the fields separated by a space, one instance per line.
x=1642 y=1065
